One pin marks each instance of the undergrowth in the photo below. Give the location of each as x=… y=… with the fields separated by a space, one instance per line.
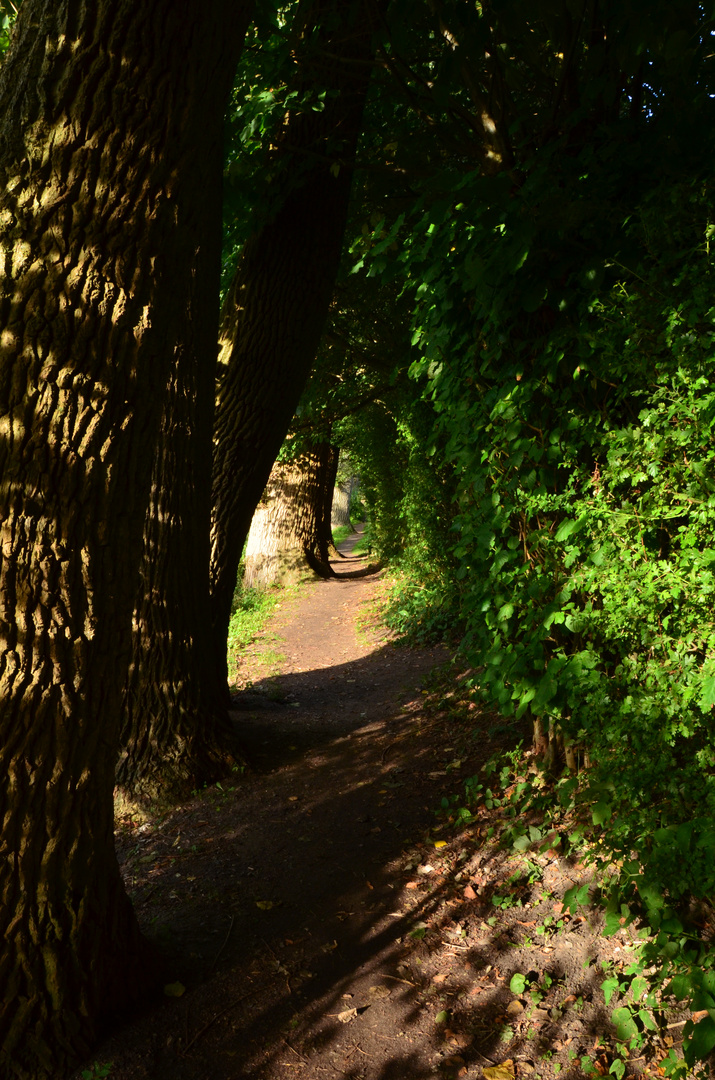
x=422 y=612
x=674 y=959
x=251 y=609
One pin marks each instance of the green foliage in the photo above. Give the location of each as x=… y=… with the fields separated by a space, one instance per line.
x=340 y=533
x=251 y=609
x=97 y=1071
x=585 y=548
x=407 y=499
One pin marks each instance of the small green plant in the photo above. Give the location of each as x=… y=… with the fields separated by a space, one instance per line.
x=505 y=902
x=97 y=1071
x=550 y=926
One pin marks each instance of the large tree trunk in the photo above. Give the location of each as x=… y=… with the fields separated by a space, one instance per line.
x=290 y=530
x=105 y=126
x=176 y=735
x=278 y=302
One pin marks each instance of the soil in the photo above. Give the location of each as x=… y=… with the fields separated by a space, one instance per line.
x=320 y=916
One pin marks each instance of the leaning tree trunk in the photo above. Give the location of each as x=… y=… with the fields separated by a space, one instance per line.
x=103 y=134
x=287 y=533
x=278 y=302
x=176 y=735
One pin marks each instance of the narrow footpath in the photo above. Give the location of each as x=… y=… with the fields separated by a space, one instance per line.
x=318 y=915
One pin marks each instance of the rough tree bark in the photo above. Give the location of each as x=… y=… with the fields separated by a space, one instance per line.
x=291 y=527
x=175 y=732
x=103 y=134
x=278 y=302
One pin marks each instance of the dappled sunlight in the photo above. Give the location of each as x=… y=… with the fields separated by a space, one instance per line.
x=323 y=917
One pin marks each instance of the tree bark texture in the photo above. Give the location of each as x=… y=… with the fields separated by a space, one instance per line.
x=288 y=528
x=176 y=735
x=103 y=111
x=278 y=301
x=341 y=504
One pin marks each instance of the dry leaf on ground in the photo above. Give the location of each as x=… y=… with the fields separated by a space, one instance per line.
x=505 y=1071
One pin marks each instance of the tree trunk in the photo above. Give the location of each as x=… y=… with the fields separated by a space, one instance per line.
x=326 y=520
x=278 y=302
x=288 y=529
x=176 y=734
x=104 y=129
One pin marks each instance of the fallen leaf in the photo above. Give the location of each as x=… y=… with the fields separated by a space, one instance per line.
x=505 y=1071
x=514 y=1008
x=439 y=978
x=426 y=869
x=265 y=905
x=442 y=1017
x=469 y=893
x=347 y=1015
x=440 y=843
x=378 y=992
x=412 y=885
x=176 y=989
x=292 y=798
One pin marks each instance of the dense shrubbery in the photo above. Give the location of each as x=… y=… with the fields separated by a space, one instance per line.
x=586 y=513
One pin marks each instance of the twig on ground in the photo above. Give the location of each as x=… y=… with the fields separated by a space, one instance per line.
x=225 y=942
x=292 y=1048
x=405 y=981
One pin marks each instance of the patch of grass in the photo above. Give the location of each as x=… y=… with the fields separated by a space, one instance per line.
x=363 y=546
x=251 y=610
x=341 y=533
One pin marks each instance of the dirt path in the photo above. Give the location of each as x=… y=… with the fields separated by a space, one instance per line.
x=320 y=921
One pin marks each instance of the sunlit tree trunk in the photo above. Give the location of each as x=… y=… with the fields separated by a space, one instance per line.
x=106 y=125
x=290 y=530
x=278 y=302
